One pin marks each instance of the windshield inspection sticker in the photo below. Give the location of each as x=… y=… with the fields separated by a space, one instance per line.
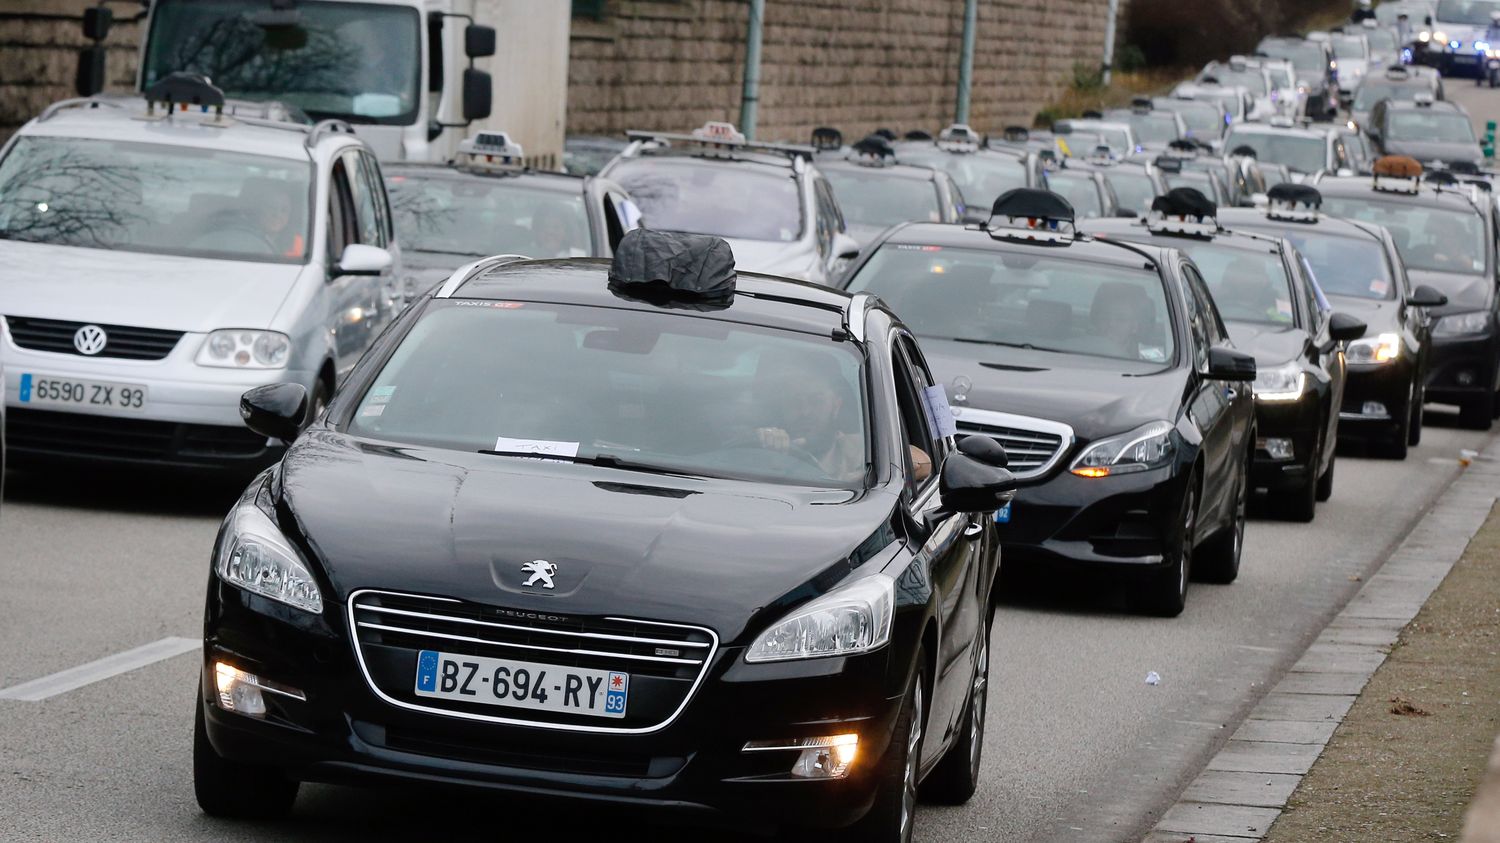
x=540 y=449
x=939 y=414
x=381 y=395
x=1379 y=286
x=373 y=410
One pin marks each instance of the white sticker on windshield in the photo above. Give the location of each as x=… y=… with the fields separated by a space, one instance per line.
x=381 y=395
x=538 y=448
x=939 y=414
x=373 y=410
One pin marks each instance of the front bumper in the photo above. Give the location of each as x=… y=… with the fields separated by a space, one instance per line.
x=1125 y=521
x=1301 y=422
x=1389 y=385
x=1462 y=368
x=342 y=732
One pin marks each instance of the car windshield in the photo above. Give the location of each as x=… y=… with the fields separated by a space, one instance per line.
x=1345 y=266
x=1428 y=238
x=869 y=197
x=1202 y=119
x=1230 y=100
x=142 y=197
x=1282 y=76
x=1253 y=80
x=1301 y=154
x=981 y=176
x=656 y=389
x=726 y=199
x=1306 y=56
x=355 y=61
x=1200 y=180
x=1154 y=128
x=1248 y=285
x=1425 y=125
x=1465 y=11
x=1080 y=191
x=1370 y=93
x=479 y=215
x=1349 y=47
x=1133 y=189
x=1070 y=306
x=1382 y=41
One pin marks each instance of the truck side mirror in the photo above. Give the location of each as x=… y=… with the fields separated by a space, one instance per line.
x=96 y=22
x=478 y=92
x=479 y=41
x=89 y=79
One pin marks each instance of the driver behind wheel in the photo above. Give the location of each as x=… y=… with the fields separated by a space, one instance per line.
x=803 y=398
x=268 y=205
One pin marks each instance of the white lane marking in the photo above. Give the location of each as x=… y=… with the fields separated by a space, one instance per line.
x=87 y=674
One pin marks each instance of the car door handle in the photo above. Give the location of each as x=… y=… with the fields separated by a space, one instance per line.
x=973 y=530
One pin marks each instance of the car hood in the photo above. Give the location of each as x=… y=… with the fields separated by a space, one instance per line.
x=1464 y=292
x=1379 y=315
x=141 y=290
x=770 y=257
x=1271 y=345
x=1095 y=396
x=1428 y=151
x=720 y=553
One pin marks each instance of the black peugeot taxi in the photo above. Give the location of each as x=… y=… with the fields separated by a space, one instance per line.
x=651 y=533
x=1105 y=371
x=1274 y=310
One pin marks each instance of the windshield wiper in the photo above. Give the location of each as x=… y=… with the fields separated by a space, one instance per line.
x=461 y=254
x=605 y=460
x=1026 y=345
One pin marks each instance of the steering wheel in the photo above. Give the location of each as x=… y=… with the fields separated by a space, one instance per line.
x=791 y=454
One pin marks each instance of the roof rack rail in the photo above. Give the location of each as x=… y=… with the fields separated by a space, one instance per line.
x=326 y=127
x=723 y=138
x=854 y=315
x=467 y=272
x=78 y=102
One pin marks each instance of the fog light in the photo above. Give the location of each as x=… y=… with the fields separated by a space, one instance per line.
x=1277 y=447
x=1375 y=409
x=241 y=692
x=819 y=758
x=1465 y=378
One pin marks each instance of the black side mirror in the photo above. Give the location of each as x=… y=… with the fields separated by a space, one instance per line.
x=478 y=92
x=1345 y=328
x=479 y=41
x=984 y=449
x=1425 y=296
x=275 y=410
x=1427 y=20
x=968 y=485
x=1226 y=364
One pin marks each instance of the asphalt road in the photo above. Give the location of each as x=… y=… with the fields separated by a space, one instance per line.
x=1079 y=747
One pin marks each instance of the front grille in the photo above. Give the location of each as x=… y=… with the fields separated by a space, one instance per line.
x=119 y=437
x=551 y=759
x=125 y=342
x=666 y=662
x=1033 y=445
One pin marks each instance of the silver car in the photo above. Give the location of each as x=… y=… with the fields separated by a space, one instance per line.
x=160 y=262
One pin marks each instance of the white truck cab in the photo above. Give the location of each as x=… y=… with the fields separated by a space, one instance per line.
x=165 y=254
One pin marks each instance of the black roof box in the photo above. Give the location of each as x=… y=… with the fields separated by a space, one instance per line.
x=888 y=134
x=1245 y=150
x=694 y=271
x=826 y=138
x=917 y=135
x=1185 y=202
x=1295 y=194
x=182 y=87
x=1032 y=203
x=1017 y=133
x=876 y=145
x=1093 y=114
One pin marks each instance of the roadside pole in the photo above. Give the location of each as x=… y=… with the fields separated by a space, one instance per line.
x=749 y=100
x=966 y=62
x=1109 y=40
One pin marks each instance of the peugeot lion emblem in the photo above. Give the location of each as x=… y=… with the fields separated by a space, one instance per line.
x=541 y=571
x=90 y=339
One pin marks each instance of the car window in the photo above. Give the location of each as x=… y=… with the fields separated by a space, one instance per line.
x=144 y=197
x=453 y=213
x=828 y=219
x=1197 y=325
x=1133 y=188
x=749 y=202
x=875 y=199
x=982 y=177
x=696 y=395
x=1063 y=305
x=1212 y=322
x=1437 y=239
x=1247 y=285
x=1301 y=154
x=921 y=441
x=368 y=224
x=1426 y=125
x=342 y=225
x=1080 y=191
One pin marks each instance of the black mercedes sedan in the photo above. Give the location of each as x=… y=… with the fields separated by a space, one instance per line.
x=652 y=534
x=1446 y=237
x=1273 y=309
x=1104 y=370
x=1358 y=270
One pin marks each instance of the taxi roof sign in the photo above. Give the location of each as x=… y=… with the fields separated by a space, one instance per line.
x=1032 y=215
x=873 y=151
x=958 y=137
x=1293 y=202
x=827 y=139
x=718 y=131
x=491 y=151
x=1397 y=174
x=1186 y=211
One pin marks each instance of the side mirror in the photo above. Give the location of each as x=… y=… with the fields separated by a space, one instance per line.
x=1345 y=328
x=1425 y=296
x=1227 y=364
x=479 y=41
x=845 y=247
x=478 y=92
x=984 y=449
x=275 y=410
x=360 y=259
x=968 y=485
x=1427 y=20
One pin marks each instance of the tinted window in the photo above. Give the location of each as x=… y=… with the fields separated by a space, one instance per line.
x=1438 y=239
x=454 y=214
x=1135 y=190
x=1303 y=154
x=140 y=197
x=1370 y=93
x=1247 y=285
x=876 y=200
x=1079 y=189
x=726 y=200
x=1011 y=298
x=1423 y=125
x=701 y=396
x=1346 y=266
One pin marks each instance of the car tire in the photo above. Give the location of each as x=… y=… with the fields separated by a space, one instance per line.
x=892 y=817
x=1164 y=593
x=956 y=776
x=1325 y=480
x=1478 y=413
x=1219 y=559
x=231 y=789
x=1300 y=503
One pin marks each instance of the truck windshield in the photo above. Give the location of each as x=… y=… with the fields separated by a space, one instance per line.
x=1465 y=11
x=354 y=61
x=140 y=197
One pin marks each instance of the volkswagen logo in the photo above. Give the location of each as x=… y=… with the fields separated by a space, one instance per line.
x=90 y=340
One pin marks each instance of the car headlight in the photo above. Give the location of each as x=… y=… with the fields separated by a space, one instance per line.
x=855 y=618
x=236 y=348
x=1424 y=37
x=1455 y=324
x=1379 y=349
x=255 y=556
x=1440 y=36
x=1148 y=446
x=1279 y=383
x=1482 y=46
